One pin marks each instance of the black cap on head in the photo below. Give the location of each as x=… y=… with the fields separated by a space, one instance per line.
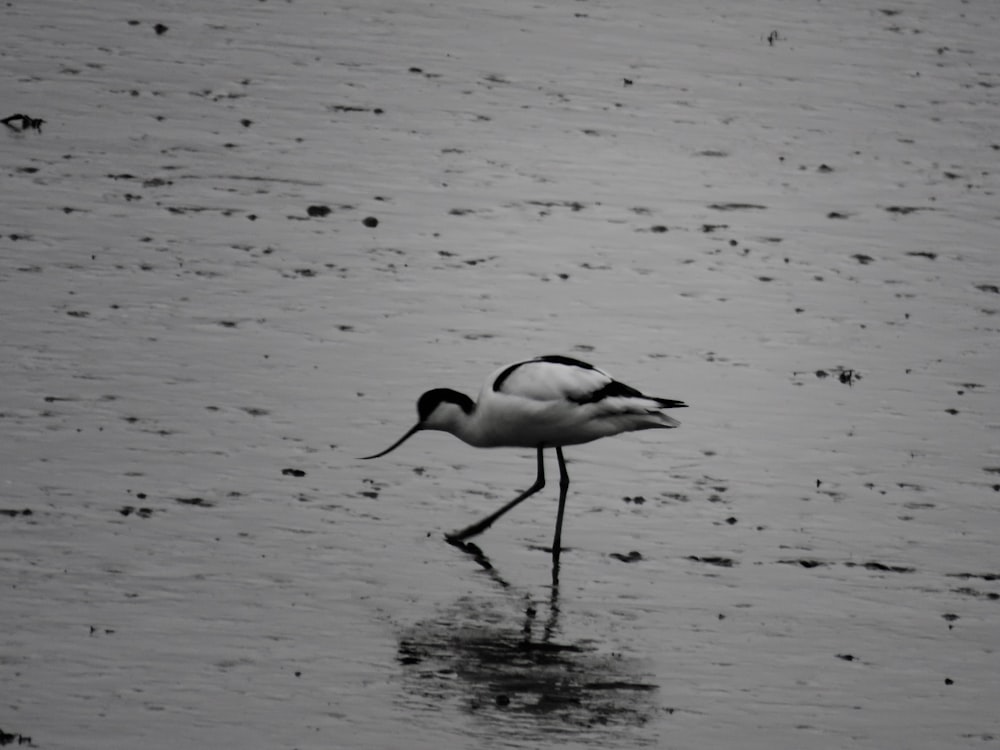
x=426 y=405
x=430 y=401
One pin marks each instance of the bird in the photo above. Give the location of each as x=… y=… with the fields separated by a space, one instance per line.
x=550 y=401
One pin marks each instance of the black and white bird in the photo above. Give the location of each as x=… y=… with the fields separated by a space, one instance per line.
x=546 y=402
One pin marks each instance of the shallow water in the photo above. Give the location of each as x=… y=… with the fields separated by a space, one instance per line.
x=201 y=334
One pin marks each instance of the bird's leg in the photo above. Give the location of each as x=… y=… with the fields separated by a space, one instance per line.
x=563 y=487
x=481 y=526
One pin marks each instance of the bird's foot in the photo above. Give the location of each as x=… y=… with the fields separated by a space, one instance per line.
x=470 y=549
x=468 y=532
x=457 y=540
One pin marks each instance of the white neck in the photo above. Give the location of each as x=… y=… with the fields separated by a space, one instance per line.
x=466 y=427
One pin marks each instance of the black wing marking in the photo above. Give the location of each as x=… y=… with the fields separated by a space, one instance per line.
x=556 y=359
x=576 y=391
x=559 y=359
x=616 y=389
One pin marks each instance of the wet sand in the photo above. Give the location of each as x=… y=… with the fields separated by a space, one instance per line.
x=246 y=238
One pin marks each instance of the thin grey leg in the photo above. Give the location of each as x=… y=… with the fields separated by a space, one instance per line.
x=563 y=487
x=481 y=526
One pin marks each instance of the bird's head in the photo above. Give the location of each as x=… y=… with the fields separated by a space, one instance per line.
x=437 y=409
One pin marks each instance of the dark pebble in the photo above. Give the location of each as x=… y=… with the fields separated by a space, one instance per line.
x=11 y=513
x=722 y=562
x=197 y=501
x=631 y=557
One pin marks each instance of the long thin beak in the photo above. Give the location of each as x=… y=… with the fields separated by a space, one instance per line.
x=416 y=428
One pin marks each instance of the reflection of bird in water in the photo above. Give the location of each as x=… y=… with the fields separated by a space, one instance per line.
x=515 y=671
x=546 y=402
x=551 y=623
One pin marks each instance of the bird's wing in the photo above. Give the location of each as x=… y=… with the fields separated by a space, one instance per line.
x=556 y=378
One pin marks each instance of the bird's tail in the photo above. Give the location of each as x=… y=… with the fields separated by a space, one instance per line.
x=662 y=420
x=667 y=403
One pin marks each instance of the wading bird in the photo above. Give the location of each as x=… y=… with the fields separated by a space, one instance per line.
x=545 y=402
